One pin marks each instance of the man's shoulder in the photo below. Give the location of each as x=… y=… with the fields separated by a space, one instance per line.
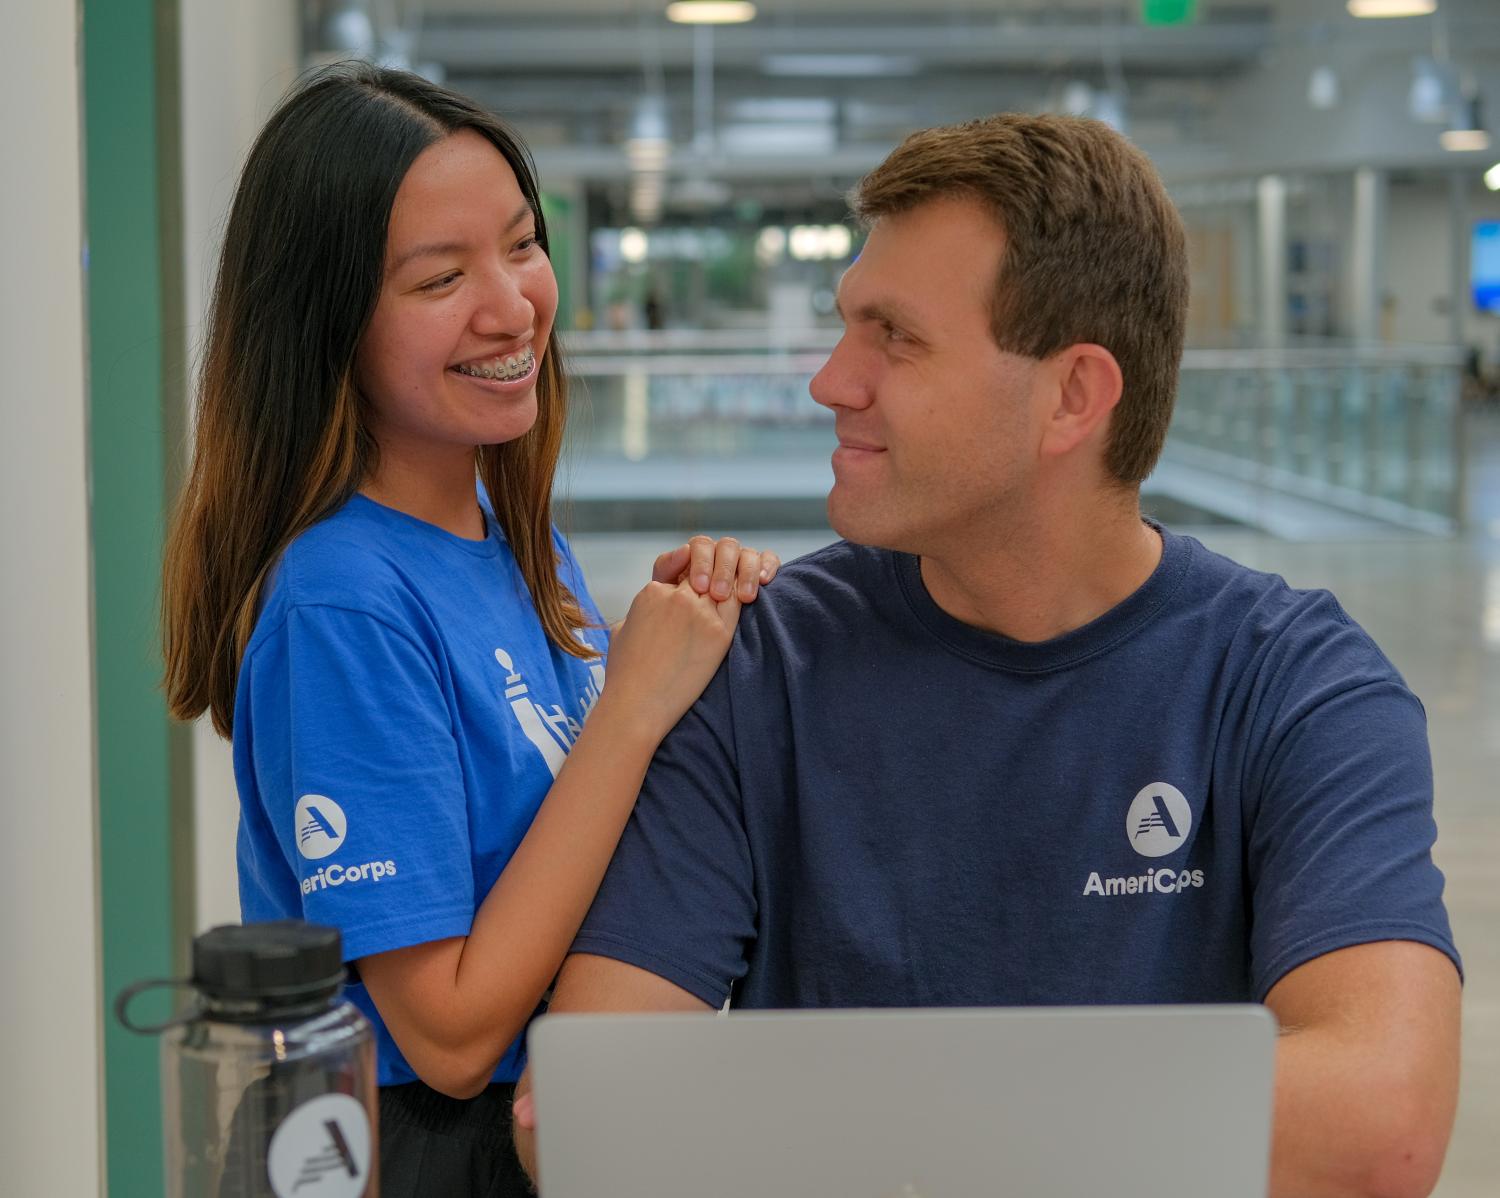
x=1233 y=591
x=840 y=561
x=826 y=584
x=1269 y=624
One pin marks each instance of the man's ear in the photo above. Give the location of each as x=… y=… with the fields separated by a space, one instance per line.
x=1086 y=384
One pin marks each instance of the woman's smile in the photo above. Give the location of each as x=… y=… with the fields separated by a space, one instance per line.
x=506 y=371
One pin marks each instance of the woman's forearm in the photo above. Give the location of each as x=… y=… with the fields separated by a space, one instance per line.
x=454 y=1006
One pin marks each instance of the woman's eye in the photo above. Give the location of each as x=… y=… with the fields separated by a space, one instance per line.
x=439 y=283
x=527 y=243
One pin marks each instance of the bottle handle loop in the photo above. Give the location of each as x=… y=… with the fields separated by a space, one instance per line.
x=135 y=989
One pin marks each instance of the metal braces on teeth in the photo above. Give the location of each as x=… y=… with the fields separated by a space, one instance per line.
x=520 y=370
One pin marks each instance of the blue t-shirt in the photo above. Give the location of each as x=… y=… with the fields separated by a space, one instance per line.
x=875 y=804
x=400 y=716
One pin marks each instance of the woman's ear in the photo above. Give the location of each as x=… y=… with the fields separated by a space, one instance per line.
x=1087 y=385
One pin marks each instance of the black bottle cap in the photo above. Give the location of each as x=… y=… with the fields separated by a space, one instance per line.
x=282 y=962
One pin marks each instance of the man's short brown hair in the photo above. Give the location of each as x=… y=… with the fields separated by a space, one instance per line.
x=1095 y=251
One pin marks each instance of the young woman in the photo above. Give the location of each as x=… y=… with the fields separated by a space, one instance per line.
x=405 y=659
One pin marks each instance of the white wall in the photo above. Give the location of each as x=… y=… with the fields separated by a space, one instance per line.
x=52 y=1125
x=1417 y=256
x=238 y=58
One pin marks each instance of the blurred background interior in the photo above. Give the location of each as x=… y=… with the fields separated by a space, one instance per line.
x=1338 y=419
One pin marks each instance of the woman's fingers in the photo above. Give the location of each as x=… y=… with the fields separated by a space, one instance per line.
x=726 y=566
x=672 y=642
x=671 y=566
x=701 y=552
x=747 y=575
x=718 y=568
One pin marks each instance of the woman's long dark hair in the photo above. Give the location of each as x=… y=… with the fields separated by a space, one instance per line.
x=281 y=440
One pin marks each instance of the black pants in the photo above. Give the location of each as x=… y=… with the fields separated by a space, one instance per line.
x=431 y=1144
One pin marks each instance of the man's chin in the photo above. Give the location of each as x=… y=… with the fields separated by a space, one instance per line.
x=860 y=526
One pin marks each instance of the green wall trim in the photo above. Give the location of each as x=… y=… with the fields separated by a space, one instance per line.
x=132 y=256
x=557 y=211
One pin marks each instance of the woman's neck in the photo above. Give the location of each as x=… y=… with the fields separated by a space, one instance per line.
x=446 y=497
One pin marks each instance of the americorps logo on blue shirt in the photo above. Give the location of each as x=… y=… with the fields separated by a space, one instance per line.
x=321 y=826
x=1156 y=825
x=551 y=731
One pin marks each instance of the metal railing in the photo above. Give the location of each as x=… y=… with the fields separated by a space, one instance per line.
x=1373 y=431
x=1369 y=432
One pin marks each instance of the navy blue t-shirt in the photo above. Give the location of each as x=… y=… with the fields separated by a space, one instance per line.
x=875 y=804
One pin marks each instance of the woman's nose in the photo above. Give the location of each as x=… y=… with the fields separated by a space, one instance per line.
x=503 y=308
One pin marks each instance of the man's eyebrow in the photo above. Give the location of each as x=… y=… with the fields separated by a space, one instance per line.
x=879 y=311
x=435 y=249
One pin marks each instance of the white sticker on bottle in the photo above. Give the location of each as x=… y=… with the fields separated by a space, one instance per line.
x=321 y=1150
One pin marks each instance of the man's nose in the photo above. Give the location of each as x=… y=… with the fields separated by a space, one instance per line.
x=840 y=383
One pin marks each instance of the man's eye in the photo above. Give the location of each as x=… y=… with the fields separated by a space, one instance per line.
x=893 y=334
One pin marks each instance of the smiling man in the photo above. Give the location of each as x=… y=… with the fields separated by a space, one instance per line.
x=1009 y=743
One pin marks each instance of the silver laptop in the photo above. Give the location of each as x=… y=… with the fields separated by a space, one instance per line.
x=1133 y=1102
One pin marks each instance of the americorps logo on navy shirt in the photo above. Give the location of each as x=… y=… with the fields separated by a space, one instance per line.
x=322 y=827
x=1156 y=825
x=1159 y=820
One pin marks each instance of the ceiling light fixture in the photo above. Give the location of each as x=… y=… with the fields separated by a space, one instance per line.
x=1109 y=107
x=711 y=12
x=650 y=143
x=1391 y=8
x=1466 y=131
x=1492 y=177
x=843 y=66
x=1323 y=89
x=1434 y=90
x=1464 y=140
x=347 y=26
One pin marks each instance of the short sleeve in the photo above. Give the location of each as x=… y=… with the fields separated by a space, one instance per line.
x=679 y=896
x=356 y=769
x=1340 y=847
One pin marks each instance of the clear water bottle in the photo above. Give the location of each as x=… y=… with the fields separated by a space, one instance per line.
x=268 y=1081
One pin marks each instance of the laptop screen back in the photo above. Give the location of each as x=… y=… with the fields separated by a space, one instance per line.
x=1133 y=1102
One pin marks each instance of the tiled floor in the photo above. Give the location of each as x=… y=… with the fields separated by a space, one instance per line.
x=1434 y=607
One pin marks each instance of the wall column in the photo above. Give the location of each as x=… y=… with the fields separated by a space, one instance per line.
x=237 y=59
x=1270 y=205
x=135 y=377
x=51 y=1137
x=1367 y=251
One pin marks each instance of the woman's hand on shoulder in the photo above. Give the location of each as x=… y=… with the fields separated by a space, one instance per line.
x=664 y=654
x=718 y=568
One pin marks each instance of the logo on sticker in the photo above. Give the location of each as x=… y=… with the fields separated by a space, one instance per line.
x=321 y=1150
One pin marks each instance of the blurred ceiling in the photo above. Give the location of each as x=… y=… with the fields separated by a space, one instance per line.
x=822 y=89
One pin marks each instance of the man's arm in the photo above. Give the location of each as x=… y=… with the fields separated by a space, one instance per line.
x=590 y=983
x=1366 y=1072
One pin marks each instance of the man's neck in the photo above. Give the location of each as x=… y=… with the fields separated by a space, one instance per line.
x=1043 y=578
